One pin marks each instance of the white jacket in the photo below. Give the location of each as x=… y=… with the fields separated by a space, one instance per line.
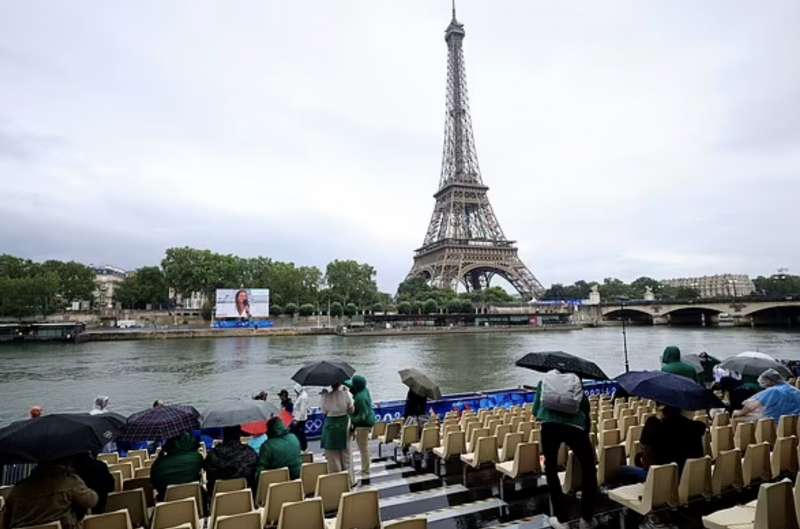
x=301 y=406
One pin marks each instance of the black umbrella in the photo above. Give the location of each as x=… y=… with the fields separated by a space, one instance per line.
x=57 y=435
x=420 y=384
x=323 y=373
x=234 y=412
x=564 y=362
x=753 y=366
x=668 y=389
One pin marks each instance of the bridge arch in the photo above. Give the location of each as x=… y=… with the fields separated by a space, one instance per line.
x=769 y=306
x=629 y=314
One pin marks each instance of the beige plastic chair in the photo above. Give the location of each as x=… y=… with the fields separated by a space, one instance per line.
x=707 y=443
x=608 y=424
x=357 y=510
x=695 y=480
x=173 y=513
x=126 y=468
x=228 y=485
x=141 y=483
x=774 y=509
x=134 y=502
x=309 y=473
x=721 y=439
x=525 y=462
x=509 y=446
x=784 y=456
x=485 y=453
x=721 y=419
x=142 y=454
x=525 y=428
x=428 y=440
x=409 y=434
x=391 y=433
x=744 y=436
x=453 y=446
x=143 y=472
x=378 y=429
x=109 y=458
x=625 y=424
x=500 y=433
x=571 y=478
x=229 y=503
x=472 y=439
x=726 y=475
x=766 y=432
x=307 y=514
x=609 y=437
x=306 y=457
x=411 y=523
x=118 y=480
x=247 y=520
x=660 y=489
x=267 y=477
x=634 y=434
x=787 y=426
x=329 y=487
x=186 y=490
x=280 y=493
x=110 y=520
x=755 y=465
x=51 y=525
x=610 y=459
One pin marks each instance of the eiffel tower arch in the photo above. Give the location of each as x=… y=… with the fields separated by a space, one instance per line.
x=464 y=244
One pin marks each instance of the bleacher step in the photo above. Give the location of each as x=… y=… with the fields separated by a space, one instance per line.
x=464 y=509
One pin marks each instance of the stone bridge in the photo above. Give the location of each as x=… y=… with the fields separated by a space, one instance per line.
x=736 y=311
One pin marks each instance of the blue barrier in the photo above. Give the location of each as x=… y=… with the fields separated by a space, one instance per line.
x=241 y=324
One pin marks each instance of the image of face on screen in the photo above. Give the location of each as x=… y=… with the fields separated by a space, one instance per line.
x=242 y=304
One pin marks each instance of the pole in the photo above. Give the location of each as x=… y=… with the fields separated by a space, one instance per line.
x=624 y=334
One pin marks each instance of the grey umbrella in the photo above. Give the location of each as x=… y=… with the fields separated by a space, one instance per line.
x=753 y=366
x=234 y=412
x=420 y=384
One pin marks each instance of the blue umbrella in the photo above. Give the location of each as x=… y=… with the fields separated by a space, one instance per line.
x=668 y=389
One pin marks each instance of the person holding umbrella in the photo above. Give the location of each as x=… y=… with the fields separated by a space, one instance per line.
x=300 y=415
x=362 y=419
x=52 y=493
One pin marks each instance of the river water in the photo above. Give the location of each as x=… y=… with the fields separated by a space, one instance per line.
x=197 y=371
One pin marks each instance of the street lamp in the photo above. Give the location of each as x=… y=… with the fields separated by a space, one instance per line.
x=622 y=300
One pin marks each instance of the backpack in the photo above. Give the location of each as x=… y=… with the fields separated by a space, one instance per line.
x=562 y=392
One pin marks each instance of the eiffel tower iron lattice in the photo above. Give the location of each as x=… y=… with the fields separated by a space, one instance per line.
x=464 y=242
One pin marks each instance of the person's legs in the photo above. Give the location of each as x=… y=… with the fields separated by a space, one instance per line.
x=362 y=439
x=334 y=458
x=551 y=441
x=300 y=432
x=578 y=441
x=628 y=474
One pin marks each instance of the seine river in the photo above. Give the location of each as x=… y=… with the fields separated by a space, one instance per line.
x=135 y=373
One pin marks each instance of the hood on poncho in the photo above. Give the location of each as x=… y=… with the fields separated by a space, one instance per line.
x=184 y=442
x=357 y=383
x=671 y=354
x=276 y=428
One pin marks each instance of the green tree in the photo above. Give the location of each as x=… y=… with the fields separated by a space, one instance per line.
x=145 y=287
x=430 y=306
x=404 y=307
x=352 y=282
x=417 y=307
x=336 y=309
x=29 y=296
x=377 y=307
x=306 y=309
x=290 y=309
x=413 y=288
x=75 y=281
x=778 y=285
x=670 y=293
x=275 y=310
x=639 y=287
x=350 y=309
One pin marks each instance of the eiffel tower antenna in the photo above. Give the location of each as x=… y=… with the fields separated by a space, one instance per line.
x=464 y=244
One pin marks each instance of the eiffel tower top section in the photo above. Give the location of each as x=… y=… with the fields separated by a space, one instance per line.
x=459 y=157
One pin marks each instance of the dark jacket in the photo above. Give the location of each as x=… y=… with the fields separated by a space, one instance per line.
x=96 y=476
x=181 y=463
x=671 y=363
x=281 y=449
x=51 y=493
x=228 y=460
x=364 y=414
x=415 y=405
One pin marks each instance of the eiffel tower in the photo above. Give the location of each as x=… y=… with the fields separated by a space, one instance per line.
x=464 y=242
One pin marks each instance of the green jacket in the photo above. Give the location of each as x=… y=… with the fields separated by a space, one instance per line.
x=364 y=415
x=581 y=419
x=180 y=464
x=281 y=449
x=671 y=363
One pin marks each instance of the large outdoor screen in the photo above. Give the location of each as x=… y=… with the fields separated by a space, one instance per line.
x=242 y=303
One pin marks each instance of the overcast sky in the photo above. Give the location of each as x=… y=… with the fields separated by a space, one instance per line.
x=617 y=138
